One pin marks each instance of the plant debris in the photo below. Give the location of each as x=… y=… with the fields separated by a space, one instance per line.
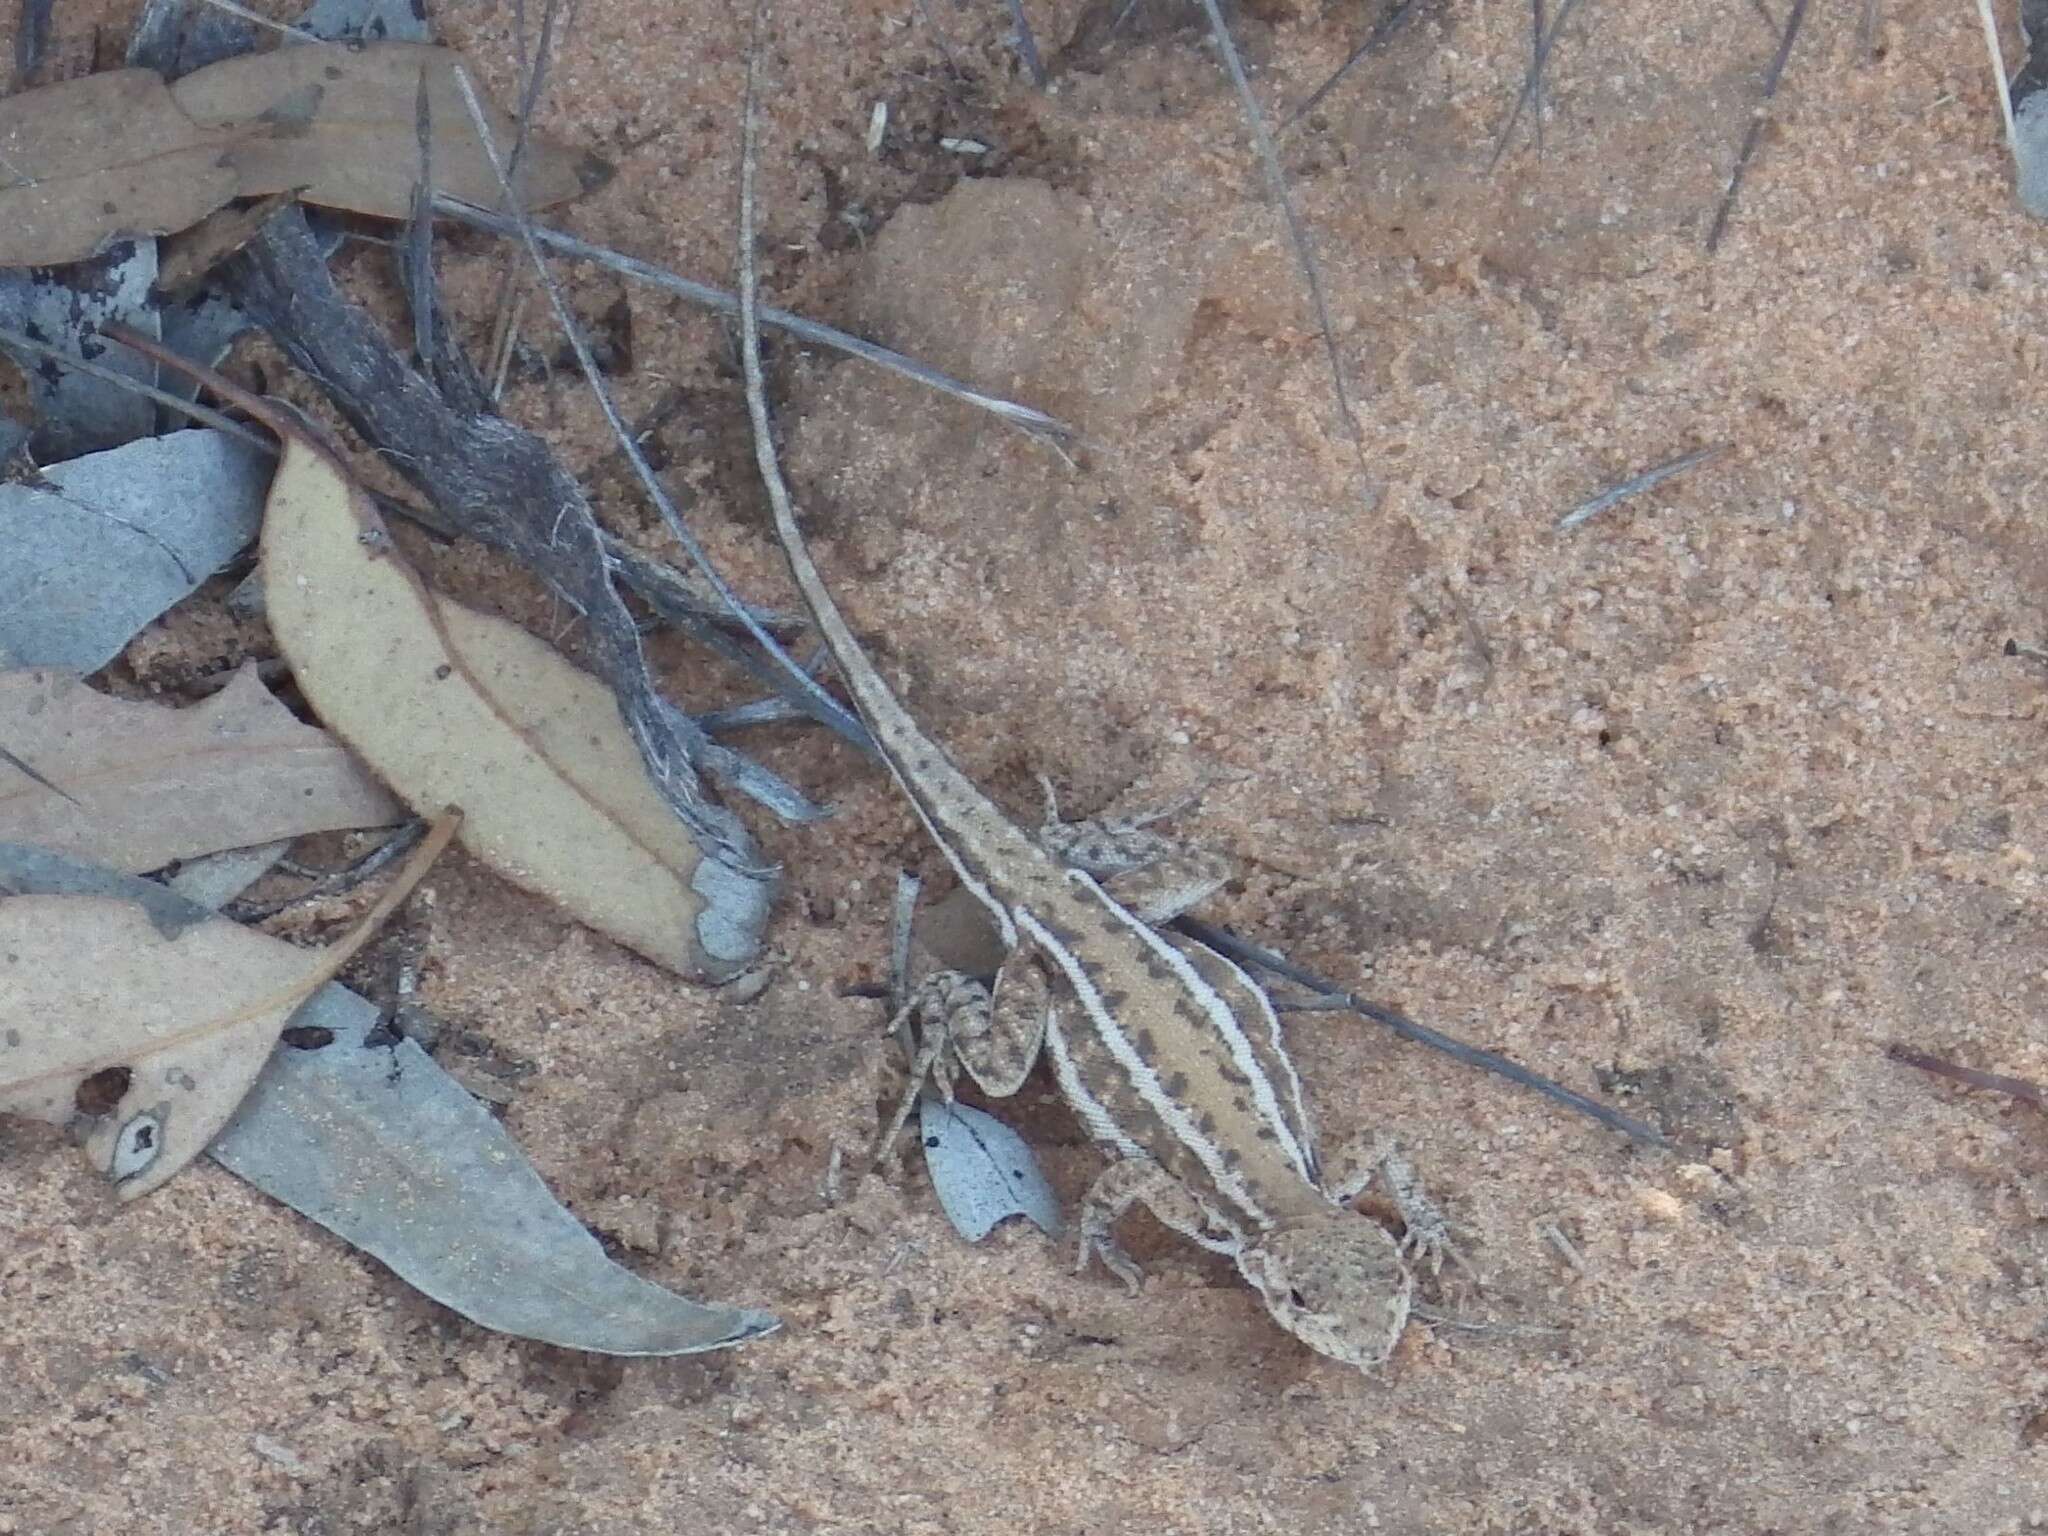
x=379 y=1145
x=78 y=412
x=163 y=1033
x=456 y=707
x=135 y=786
x=123 y=153
x=109 y=541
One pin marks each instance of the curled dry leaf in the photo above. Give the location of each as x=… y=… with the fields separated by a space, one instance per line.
x=86 y=160
x=158 y=1036
x=455 y=707
x=134 y=786
x=338 y=122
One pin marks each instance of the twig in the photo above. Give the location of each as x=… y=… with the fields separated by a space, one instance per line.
x=333 y=882
x=1998 y=76
x=15 y=341
x=1536 y=96
x=1534 y=80
x=1245 y=952
x=1035 y=422
x=1276 y=181
x=1593 y=506
x=2017 y=1087
x=1381 y=34
x=803 y=683
x=1793 y=19
x=1027 y=45
x=284 y=28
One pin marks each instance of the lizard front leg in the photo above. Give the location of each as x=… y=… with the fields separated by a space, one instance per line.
x=1427 y=1234
x=1139 y=1181
x=959 y=1025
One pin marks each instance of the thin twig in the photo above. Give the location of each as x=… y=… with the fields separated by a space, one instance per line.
x=1750 y=140
x=334 y=882
x=651 y=484
x=1593 y=506
x=1381 y=34
x=1245 y=952
x=1027 y=45
x=14 y=341
x=1021 y=416
x=1998 y=75
x=1533 y=82
x=283 y=28
x=1276 y=180
x=1996 y=1082
x=1536 y=96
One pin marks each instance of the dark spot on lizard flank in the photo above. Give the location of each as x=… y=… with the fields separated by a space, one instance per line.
x=1241 y=1104
x=1114 y=1000
x=1266 y=1132
x=1235 y=1078
x=1207 y=1125
x=1158 y=969
x=1231 y=1158
x=1176 y=1086
x=1148 y=1048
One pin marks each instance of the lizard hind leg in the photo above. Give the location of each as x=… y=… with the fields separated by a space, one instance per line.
x=1152 y=877
x=1137 y=1181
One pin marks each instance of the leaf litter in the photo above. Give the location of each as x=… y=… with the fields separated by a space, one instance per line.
x=91 y=986
x=136 y=786
x=104 y=544
x=452 y=706
x=380 y=1146
x=125 y=153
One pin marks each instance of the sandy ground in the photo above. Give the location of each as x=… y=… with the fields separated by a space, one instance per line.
x=1696 y=808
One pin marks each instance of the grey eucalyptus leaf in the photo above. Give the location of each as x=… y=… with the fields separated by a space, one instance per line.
x=983 y=1171
x=113 y=539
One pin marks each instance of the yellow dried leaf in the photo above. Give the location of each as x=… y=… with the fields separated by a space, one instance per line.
x=182 y=1023
x=133 y=786
x=338 y=122
x=451 y=706
x=87 y=160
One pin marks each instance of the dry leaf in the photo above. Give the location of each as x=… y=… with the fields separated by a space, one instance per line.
x=338 y=122
x=105 y=155
x=160 y=1037
x=189 y=257
x=134 y=786
x=455 y=707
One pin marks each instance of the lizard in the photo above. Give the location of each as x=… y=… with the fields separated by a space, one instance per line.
x=1170 y=1054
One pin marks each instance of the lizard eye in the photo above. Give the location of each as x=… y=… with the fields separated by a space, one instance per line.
x=1297 y=1298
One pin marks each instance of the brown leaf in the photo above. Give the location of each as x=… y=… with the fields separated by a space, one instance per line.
x=452 y=706
x=106 y=155
x=134 y=786
x=338 y=123
x=90 y=987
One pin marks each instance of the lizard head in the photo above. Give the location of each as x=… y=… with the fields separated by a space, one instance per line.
x=1335 y=1282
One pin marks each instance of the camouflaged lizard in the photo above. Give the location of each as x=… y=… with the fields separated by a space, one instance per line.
x=1171 y=1055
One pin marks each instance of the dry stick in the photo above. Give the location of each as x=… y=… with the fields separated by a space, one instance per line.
x=504 y=321
x=1996 y=1082
x=1998 y=77
x=1382 y=33
x=1245 y=952
x=1276 y=180
x=283 y=27
x=1536 y=97
x=1534 y=82
x=1024 y=417
x=662 y=588
x=1761 y=115
x=1592 y=506
x=1027 y=45
x=802 y=681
